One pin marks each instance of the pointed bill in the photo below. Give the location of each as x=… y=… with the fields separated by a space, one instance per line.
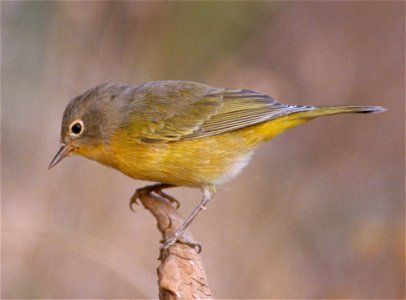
x=61 y=154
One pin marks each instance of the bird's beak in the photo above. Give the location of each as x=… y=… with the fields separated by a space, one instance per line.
x=61 y=154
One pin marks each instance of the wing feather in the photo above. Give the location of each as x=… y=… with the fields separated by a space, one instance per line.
x=167 y=111
x=164 y=111
x=243 y=108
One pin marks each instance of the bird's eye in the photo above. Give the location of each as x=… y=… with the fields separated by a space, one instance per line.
x=76 y=127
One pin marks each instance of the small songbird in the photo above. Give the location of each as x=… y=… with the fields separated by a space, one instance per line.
x=178 y=133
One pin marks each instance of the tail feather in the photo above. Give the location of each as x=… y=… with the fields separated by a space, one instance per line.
x=332 y=110
x=303 y=114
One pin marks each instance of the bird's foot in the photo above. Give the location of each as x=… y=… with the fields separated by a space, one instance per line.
x=155 y=188
x=173 y=239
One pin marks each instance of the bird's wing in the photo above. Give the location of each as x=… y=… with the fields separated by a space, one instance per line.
x=242 y=108
x=175 y=110
x=170 y=110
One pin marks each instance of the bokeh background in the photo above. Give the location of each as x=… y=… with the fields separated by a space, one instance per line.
x=319 y=213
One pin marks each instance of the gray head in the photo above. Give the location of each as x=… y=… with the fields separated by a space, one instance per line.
x=91 y=118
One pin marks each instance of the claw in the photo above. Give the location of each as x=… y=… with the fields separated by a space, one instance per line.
x=155 y=188
x=208 y=192
x=134 y=200
x=171 y=240
x=168 y=197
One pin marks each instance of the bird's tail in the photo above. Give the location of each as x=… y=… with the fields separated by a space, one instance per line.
x=305 y=113
x=318 y=111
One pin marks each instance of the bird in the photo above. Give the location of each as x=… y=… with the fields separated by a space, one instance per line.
x=178 y=133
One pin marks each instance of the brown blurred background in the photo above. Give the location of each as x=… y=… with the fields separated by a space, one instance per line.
x=319 y=213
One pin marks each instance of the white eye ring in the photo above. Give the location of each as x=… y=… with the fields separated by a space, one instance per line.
x=76 y=128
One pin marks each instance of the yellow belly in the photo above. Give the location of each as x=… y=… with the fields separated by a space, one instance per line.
x=209 y=160
x=195 y=162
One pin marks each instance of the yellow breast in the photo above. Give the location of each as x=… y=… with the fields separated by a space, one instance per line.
x=209 y=160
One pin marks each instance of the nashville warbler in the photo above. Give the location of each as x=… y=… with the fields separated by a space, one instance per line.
x=178 y=133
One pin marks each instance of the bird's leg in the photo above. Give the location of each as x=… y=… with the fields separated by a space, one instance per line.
x=155 y=188
x=208 y=193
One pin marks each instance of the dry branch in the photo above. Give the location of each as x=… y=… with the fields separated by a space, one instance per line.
x=181 y=274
